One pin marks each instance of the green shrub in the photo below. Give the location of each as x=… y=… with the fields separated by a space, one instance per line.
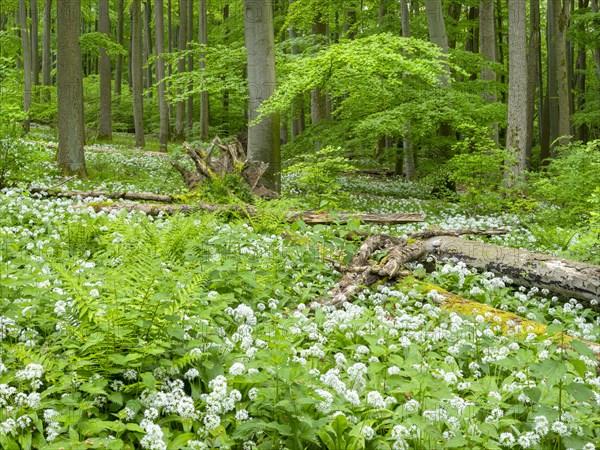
x=569 y=182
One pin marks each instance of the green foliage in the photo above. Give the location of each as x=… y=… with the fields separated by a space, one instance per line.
x=316 y=176
x=569 y=183
x=21 y=162
x=93 y=41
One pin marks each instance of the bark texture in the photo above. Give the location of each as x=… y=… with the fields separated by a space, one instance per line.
x=263 y=137
x=163 y=107
x=137 y=72
x=487 y=47
x=47 y=49
x=182 y=44
x=26 y=46
x=203 y=39
x=105 y=124
x=70 y=156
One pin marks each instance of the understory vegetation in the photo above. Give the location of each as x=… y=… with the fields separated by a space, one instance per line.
x=121 y=330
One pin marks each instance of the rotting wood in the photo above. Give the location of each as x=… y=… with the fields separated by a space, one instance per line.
x=308 y=217
x=568 y=278
x=143 y=196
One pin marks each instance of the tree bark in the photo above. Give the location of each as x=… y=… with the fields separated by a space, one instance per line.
x=70 y=156
x=190 y=66
x=564 y=91
x=596 y=51
x=105 y=124
x=203 y=40
x=517 y=93
x=564 y=277
x=163 y=108
x=148 y=46
x=487 y=46
x=35 y=49
x=533 y=74
x=263 y=137
x=136 y=72
x=47 y=49
x=318 y=99
x=119 y=59
x=26 y=48
x=408 y=158
x=182 y=44
x=297 y=109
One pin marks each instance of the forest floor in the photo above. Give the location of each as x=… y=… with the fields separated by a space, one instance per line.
x=120 y=330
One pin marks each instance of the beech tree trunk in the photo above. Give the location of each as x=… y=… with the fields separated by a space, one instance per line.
x=26 y=48
x=203 y=39
x=182 y=44
x=533 y=74
x=408 y=161
x=437 y=30
x=297 y=110
x=148 y=46
x=70 y=156
x=47 y=49
x=105 y=124
x=596 y=51
x=564 y=92
x=119 y=59
x=137 y=78
x=517 y=93
x=190 y=66
x=318 y=99
x=263 y=137
x=35 y=49
x=163 y=108
x=487 y=47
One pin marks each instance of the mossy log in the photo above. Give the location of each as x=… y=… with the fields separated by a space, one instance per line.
x=567 y=278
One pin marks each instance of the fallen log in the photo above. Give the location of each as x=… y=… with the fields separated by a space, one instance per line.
x=308 y=217
x=562 y=276
x=143 y=196
x=567 y=278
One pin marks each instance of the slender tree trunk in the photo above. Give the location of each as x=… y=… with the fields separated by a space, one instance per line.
x=487 y=46
x=552 y=70
x=148 y=46
x=119 y=58
x=564 y=91
x=35 y=49
x=472 y=43
x=163 y=108
x=318 y=99
x=26 y=46
x=71 y=137
x=381 y=13
x=105 y=125
x=203 y=39
x=137 y=78
x=408 y=160
x=47 y=49
x=225 y=92
x=437 y=30
x=182 y=43
x=297 y=112
x=533 y=71
x=263 y=137
x=517 y=92
x=500 y=34
x=190 y=63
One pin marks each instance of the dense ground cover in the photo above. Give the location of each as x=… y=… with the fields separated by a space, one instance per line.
x=119 y=330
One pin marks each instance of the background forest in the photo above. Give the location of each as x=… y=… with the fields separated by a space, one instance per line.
x=150 y=299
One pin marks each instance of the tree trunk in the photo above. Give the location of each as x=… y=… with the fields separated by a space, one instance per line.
x=47 y=49
x=182 y=44
x=437 y=31
x=225 y=115
x=318 y=99
x=137 y=78
x=564 y=91
x=408 y=160
x=533 y=72
x=263 y=137
x=163 y=108
x=70 y=156
x=203 y=39
x=190 y=68
x=105 y=125
x=35 y=49
x=487 y=46
x=119 y=59
x=26 y=46
x=297 y=110
x=148 y=46
x=517 y=93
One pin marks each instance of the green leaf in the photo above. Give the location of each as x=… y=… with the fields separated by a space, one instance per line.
x=180 y=441
x=580 y=392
